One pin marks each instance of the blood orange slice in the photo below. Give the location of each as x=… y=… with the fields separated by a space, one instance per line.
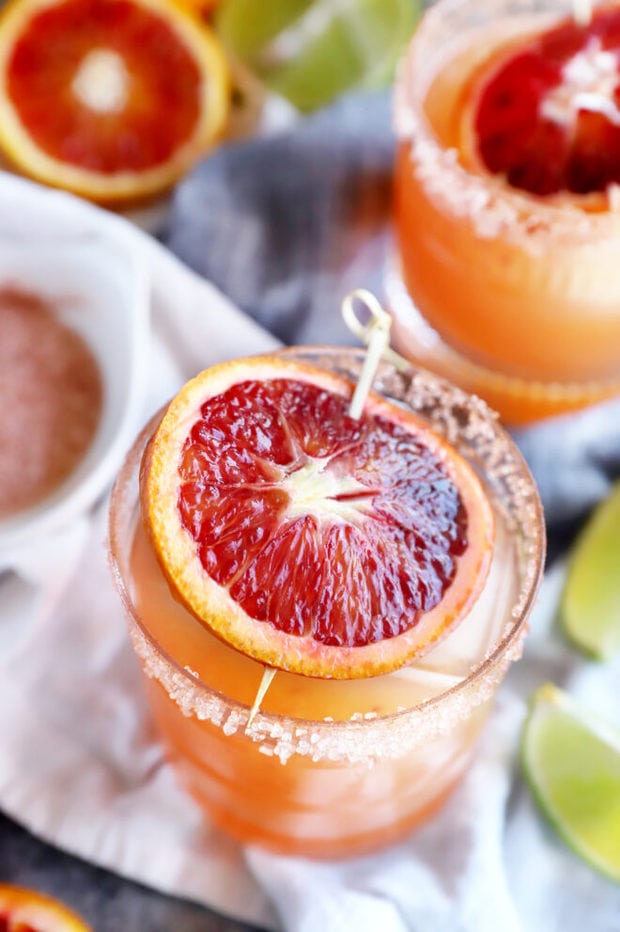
x=111 y=99
x=545 y=112
x=310 y=541
x=23 y=910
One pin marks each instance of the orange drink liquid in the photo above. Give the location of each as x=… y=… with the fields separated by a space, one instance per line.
x=332 y=768
x=513 y=295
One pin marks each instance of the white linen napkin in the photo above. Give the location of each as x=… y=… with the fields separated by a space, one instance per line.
x=81 y=767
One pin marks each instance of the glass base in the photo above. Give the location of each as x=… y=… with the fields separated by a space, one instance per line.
x=518 y=401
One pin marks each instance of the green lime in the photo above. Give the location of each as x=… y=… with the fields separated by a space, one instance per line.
x=312 y=51
x=590 y=611
x=248 y=27
x=572 y=764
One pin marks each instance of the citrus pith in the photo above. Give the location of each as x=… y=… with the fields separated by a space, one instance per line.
x=305 y=539
x=24 y=910
x=110 y=99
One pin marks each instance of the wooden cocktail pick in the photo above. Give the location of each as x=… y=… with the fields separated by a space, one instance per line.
x=376 y=335
x=582 y=11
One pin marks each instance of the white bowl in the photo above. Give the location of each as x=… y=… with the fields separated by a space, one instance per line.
x=101 y=291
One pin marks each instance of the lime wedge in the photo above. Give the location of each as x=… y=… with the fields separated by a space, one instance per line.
x=312 y=51
x=248 y=26
x=572 y=764
x=590 y=611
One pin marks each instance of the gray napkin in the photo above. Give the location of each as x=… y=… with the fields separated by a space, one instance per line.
x=286 y=226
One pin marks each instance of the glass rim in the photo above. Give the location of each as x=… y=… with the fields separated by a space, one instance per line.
x=507 y=648
x=485 y=197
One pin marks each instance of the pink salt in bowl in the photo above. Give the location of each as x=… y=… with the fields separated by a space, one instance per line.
x=83 y=308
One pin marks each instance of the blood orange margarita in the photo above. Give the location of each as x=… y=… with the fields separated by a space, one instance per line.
x=505 y=277
x=334 y=767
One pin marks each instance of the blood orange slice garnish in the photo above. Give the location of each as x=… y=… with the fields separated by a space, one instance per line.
x=308 y=540
x=24 y=910
x=545 y=111
x=111 y=99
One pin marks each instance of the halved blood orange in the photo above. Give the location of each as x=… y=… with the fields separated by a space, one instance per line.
x=24 y=910
x=110 y=99
x=545 y=111
x=308 y=540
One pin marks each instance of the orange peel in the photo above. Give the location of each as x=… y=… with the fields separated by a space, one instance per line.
x=22 y=908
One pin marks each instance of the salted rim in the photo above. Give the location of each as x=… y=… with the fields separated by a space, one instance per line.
x=485 y=200
x=466 y=422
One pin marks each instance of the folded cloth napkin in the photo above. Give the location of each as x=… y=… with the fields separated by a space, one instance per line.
x=81 y=766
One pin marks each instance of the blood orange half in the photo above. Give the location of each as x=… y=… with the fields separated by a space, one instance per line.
x=545 y=111
x=111 y=99
x=23 y=910
x=308 y=540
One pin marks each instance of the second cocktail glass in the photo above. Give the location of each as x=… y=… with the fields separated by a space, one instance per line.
x=514 y=295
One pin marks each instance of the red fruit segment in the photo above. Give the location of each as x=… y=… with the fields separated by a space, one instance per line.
x=546 y=114
x=259 y=446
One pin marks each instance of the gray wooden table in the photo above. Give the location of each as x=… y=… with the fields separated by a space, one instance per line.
x=106 y=901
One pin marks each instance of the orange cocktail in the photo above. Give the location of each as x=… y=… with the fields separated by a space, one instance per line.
x=332 y=767
x=506 y=275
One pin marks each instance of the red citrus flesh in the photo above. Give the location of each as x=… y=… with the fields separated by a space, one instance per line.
x=24 y=910
x=546 y=111
x=306 y=539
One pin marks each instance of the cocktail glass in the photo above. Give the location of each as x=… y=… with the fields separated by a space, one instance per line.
x=335 y=768
x=513 y=296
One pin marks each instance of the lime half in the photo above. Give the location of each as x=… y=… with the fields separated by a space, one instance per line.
x=572 y=764
x=590 y=611
x=309 y=52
